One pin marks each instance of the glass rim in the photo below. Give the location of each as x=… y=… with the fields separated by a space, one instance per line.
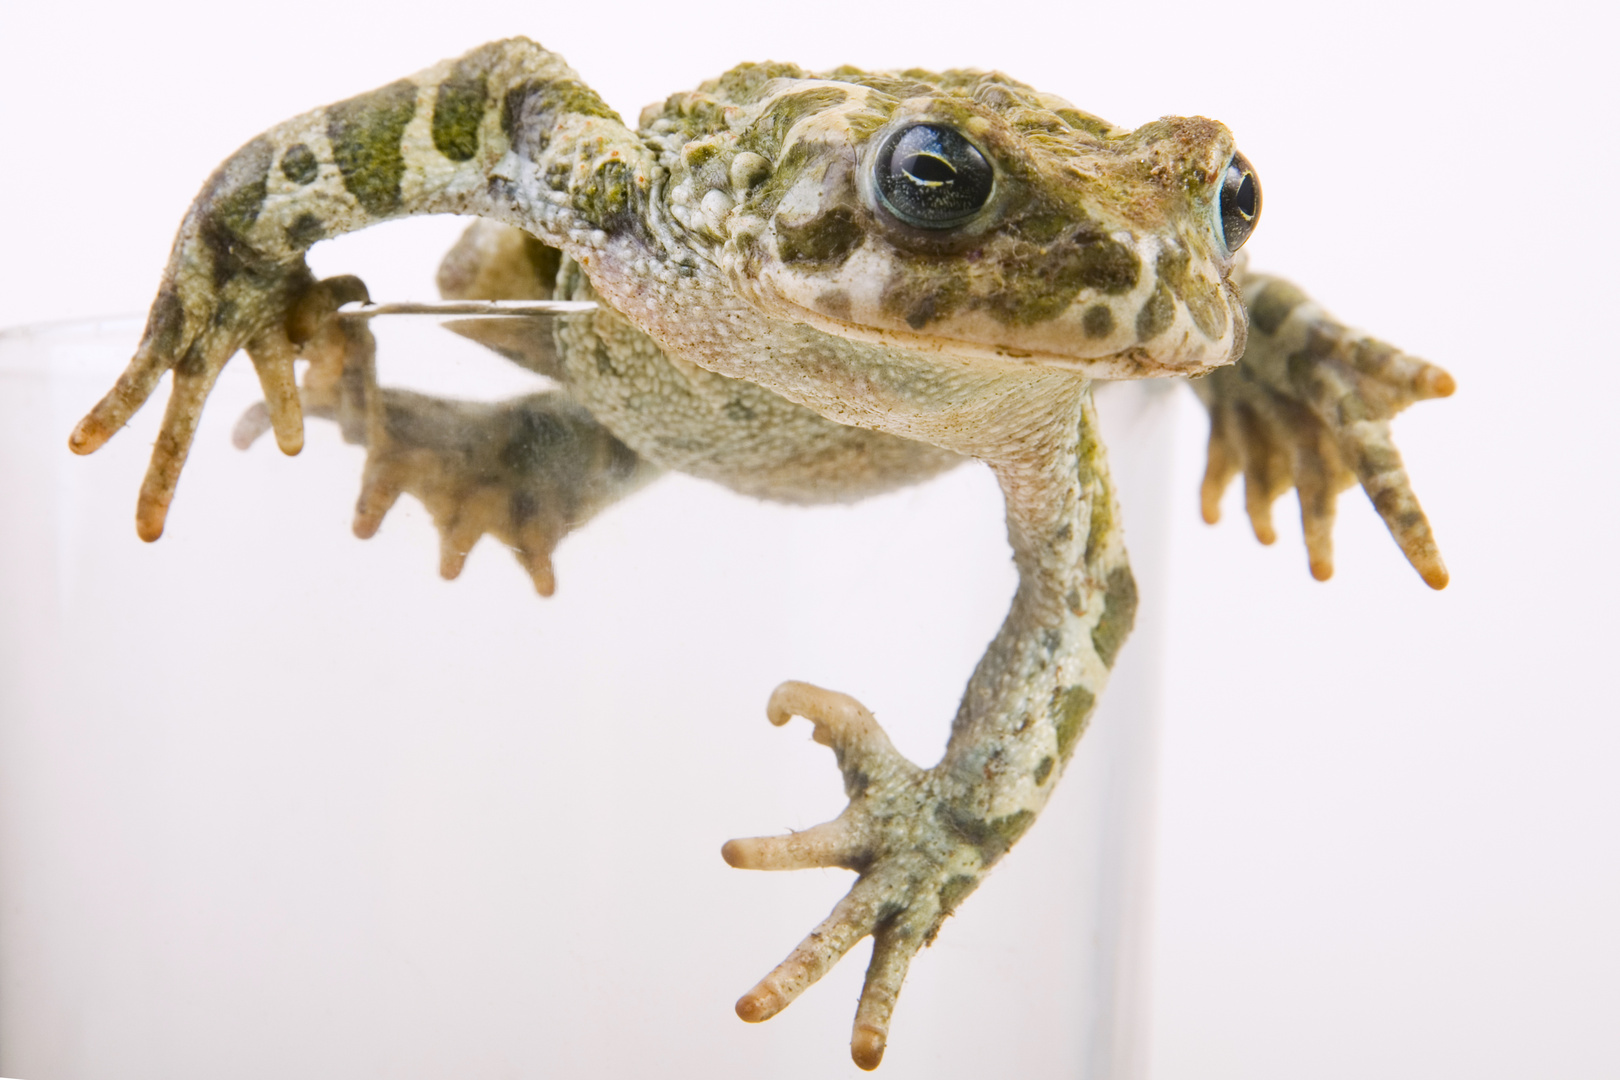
x=66 y=331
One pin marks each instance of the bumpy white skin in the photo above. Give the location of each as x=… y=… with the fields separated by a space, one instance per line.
x=770 y=324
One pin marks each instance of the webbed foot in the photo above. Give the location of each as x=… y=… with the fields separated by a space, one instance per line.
x=916 y=855
x=1308 y=407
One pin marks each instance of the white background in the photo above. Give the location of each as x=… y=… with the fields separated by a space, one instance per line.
x=1388 y=822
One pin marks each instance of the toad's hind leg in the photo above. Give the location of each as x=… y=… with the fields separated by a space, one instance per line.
x=1308 y=407
x=527 y=471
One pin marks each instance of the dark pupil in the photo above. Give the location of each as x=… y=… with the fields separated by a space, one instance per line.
x=1240 y=202
x=931 y=177
x=1245 y=196
x=928 y=169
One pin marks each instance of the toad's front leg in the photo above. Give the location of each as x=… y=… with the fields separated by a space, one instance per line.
x=506 y=131
x=923 y=839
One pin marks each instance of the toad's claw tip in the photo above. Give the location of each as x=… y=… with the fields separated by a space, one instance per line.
x=841 y=722
x=456 y=541
x=1437 y=383
x=761 y=1003
x=538 y=565
x=452 y=559
x=291 y=443
x=1435 y=575
x=866 y=1047
x=149 y=520
x=89 y=436
x=272 y=353
x=379 y=490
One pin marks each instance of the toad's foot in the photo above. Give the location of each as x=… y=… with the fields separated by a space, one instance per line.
x=527 y=472
x=272 y=320
x=916 y=858
x=1309 y=406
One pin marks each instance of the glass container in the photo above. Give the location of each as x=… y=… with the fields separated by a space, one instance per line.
x=278 y=802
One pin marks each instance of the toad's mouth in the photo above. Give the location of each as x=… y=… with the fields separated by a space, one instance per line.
x=1183 y=358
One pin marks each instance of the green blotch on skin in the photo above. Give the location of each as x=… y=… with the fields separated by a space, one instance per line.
x=1118 y=616
x=609 y=196
x=458 y=111
x=558 y=175
x=1207 y=308
x=1044 y=769
x=920 y=292
x=1108 y=266
x=699 y=155
x=1009 y=829
x=992 y=838
x=234 y=197
x=298 y=164
x=166 y=322
x=889 y=85
x=1084 y=121
x=953 y=80
x=1157 y=314
x=1050 y=277
x=1043 y=224
x=1098 y=321
x=693 y=113
x=1268 y=310
x=607 y=199
x=955 y=890
x=764 y=199
x=769 y=133
x=305 y=231
x=1071 y=710
x=1102 y=523
x=237 y=207
x=365 y=133
x=826 y=241
x=745 y=84
x=1090 y=463
x=533 y=107
x=1203 y=299
x=865 y=122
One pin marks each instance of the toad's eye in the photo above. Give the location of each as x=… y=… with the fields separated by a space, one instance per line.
x=931 y=177
x=1240 y=202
